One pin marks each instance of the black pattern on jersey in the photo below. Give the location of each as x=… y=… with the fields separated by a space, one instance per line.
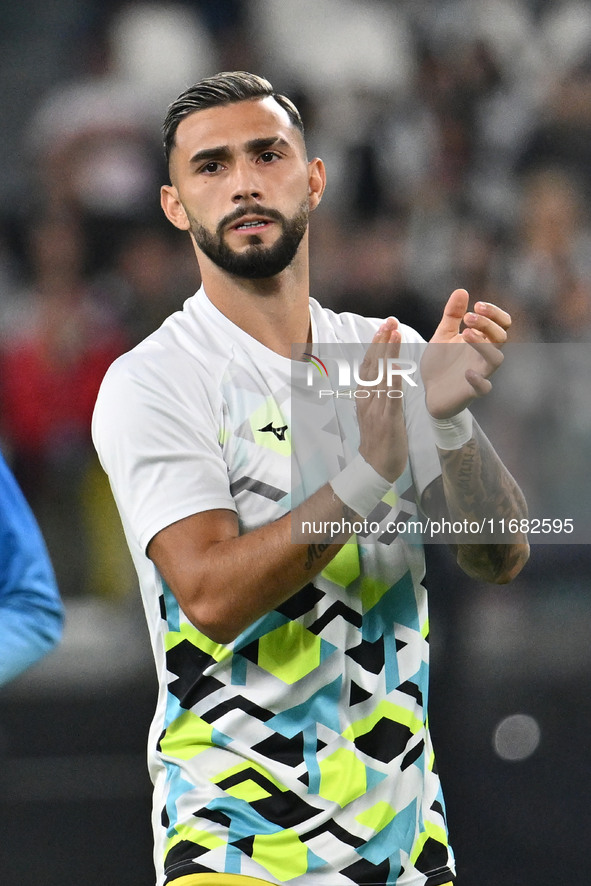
x=189 y=662
x=249 y=484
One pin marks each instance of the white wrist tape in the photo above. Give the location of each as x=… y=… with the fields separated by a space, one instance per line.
x=360 y=487
x=453 y=432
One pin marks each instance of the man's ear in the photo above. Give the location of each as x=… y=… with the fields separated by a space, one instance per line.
x=316 y=182
x=173 y=208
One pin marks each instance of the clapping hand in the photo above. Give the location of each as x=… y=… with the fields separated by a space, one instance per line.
x=455 y=376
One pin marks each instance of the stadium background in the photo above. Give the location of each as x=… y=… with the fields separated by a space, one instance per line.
x=457 y=140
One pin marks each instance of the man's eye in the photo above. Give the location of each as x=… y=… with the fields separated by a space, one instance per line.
x=212 y=166
x=268 y=156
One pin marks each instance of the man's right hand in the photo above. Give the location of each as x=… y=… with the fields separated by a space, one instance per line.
x=382 y=429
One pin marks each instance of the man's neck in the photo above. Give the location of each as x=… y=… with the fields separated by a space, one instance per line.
x=275 y=311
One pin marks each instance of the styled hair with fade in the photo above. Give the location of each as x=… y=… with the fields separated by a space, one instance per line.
x=224 y=88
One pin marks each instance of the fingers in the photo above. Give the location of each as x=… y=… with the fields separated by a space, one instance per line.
x=377 y=380
x=379 y=405
x=490 y=356
x=385 y=343
x=479 y=377
x=453 y=377
x=487 y=323
x=486 y=364
x=388 y=332
x=480 y=385
x=496 y=314
x=453 y=314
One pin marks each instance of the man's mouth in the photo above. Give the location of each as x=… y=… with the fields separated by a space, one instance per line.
x=249 y=225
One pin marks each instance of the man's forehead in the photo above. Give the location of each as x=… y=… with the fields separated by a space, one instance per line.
x=241 y=115
x=234 y=123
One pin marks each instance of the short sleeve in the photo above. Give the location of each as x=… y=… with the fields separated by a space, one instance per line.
x=158 y=442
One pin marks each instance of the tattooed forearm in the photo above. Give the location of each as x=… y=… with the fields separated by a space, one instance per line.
x=477 y=484
x=496 y=563
x=477 y=489
x=314 y=554
x=316 y=549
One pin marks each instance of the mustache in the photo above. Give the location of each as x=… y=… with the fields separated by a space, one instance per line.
x=253 y=209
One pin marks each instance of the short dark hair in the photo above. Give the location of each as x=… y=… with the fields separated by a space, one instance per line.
x=224 y=88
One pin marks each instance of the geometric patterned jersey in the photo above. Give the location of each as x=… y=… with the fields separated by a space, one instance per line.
x=299 y=753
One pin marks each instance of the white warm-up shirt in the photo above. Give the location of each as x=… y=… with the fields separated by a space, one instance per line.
x=300 y=752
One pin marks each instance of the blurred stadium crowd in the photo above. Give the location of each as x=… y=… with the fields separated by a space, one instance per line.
x=457 y=136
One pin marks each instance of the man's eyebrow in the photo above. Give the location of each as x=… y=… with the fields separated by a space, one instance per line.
x=260 y=144
x=221 y=151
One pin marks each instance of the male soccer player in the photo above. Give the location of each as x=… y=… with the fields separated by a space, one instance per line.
x=290 y=742
x=31 y=612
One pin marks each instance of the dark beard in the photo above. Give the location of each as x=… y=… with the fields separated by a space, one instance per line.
x=258 y=261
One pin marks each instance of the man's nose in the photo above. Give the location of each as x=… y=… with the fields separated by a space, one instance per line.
x=246 y=184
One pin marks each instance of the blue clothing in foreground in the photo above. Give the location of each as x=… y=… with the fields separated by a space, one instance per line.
x=31 y=612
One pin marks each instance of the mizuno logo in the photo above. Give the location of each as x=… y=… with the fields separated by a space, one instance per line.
x=279 y=432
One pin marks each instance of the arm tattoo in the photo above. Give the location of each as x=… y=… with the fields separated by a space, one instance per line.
x=314 y=554
x=317 y=549
x=476 y=487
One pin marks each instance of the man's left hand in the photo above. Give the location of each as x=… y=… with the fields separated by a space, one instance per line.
x=455 y=376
